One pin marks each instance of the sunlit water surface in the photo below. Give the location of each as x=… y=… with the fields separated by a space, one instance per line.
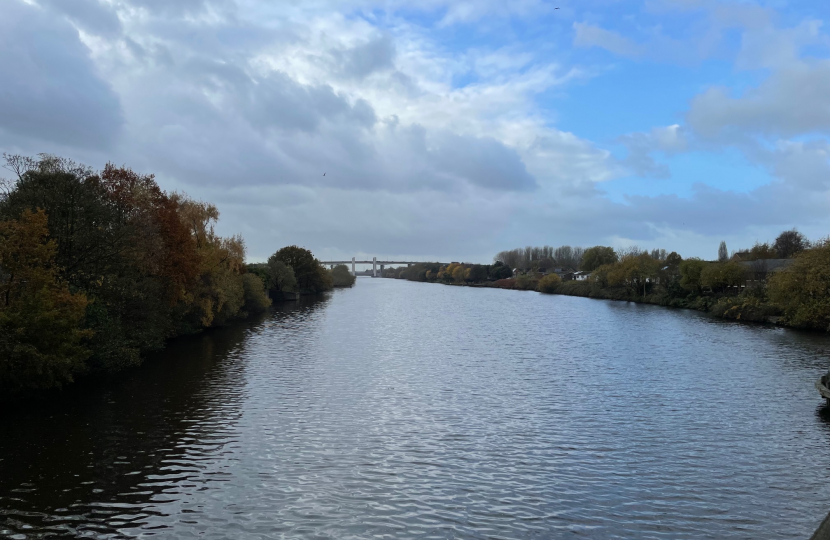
x=405 y=410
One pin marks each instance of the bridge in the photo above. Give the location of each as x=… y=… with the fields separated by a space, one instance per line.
x=374 y=262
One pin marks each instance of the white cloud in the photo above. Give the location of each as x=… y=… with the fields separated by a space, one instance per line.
x=246 y=103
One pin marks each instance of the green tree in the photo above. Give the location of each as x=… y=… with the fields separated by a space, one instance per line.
x=723 y=253
x=256 y=298
x=803 y=290
x=719 y=276
x=281 y=276
x=634 y=272
x=310 y=275
x=790 y=243
x=690 y=271
x=341 y=277
x=597 y=256
x=499 y=270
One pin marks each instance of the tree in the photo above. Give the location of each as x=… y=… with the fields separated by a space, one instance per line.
x=341 y=277
x=597 y=256
x=280 y=276
x=723 y=253
x=311 y=276
x=673 y=260
x=634 y=272
x=459 y=273
x=690 y=270
x=548 y=283
x=803 y=290
x=658 y=254
x=499 y=270
x=256 y=299
x=476 y=273
x=42 y=344
x=712 y=277
x=790 y=243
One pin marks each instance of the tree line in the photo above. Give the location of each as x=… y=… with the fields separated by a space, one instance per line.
x=742 y=285
x=98 y=268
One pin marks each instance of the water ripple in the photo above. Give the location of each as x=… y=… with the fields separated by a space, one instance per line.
x=402 y=410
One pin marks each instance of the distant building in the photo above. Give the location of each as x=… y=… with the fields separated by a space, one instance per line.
x=564 y=275
x=581 y=275
x=759 y=271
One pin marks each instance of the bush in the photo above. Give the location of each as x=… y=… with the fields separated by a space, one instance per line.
x=526 y=283
x=256 y=299
x=744 y=308
x=802 y=290
x=341 y=277
x=548 y=284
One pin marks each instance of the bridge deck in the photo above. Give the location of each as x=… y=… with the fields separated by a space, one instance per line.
x=378 y=262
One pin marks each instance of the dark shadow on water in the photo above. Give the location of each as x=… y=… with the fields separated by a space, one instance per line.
x=92 y=458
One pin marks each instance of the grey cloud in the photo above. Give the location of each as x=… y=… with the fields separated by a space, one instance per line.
x=802 y=164
x=91 y=15
x=367 y=58
x=639 y=159
x=51 y=90
x=641 y=146
x=482 y=161
x=711 y=211
x=176 y=7
x=279 y=102
x=790 y=102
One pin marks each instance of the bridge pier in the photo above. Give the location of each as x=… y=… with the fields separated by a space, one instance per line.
x=353 y=272
x=374 y=267
x=381 y=270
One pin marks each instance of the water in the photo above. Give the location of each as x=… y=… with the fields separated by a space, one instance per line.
x=406 y=410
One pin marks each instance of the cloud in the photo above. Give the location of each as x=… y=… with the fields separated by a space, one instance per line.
x=51 y=90
x=434 y=142
x=792 y=101
x=92 y=16
x=587 y=35
x=641 y=147
x=366 y=58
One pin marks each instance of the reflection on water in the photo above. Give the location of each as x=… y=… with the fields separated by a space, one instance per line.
x=403 y=410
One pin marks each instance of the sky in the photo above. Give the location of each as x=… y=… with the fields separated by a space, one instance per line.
x=447 y=130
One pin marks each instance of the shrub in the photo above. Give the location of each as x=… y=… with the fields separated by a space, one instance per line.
x=548 y=283
x=341 y=277
x=256 y=299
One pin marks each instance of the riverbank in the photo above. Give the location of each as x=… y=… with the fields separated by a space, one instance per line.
x=738 y=307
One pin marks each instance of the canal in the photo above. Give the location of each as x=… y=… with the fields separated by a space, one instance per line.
x=408 y=410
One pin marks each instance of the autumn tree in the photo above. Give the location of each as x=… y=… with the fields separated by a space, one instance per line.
x=42 y=344
x=548 y=283
x=476 y=273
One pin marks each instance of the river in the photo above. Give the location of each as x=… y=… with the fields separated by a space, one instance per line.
x=409 y=410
